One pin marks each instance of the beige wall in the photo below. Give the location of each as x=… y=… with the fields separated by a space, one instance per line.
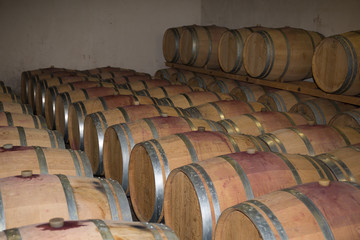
x=83 y=34
x=325 y=16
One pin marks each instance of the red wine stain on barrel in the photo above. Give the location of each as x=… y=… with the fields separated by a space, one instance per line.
x=67 y=225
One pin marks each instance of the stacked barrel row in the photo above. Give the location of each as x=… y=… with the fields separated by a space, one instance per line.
x=278 y=54
x=44 y=184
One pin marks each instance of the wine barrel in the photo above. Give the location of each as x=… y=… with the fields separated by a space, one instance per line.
x=224 y=109
x=343 y=162
x=231 y=47
x=19 y=136
x=230 y=179
x=166 y=91
x=280 y=54
x=22 y=120
x=79 y=110
x=15 y=108
x=110 y=69
x=308 y=211
x=165 y=73
x=114 y=74
x=348 y=119
x=182 y=76
x=96 y=124
x=52 y=92
x=127 y=79
x=26 y=78
x=336 y=63
x=43 y=160
x=320 y=110
x=223 y=85
x=41 y=87
x=199 y=44
x=283 y=101
x=9 y=98
x=201 y=81
x=95 y=229
x=42 y=197
x=310 y=140
x=249 y=92
x=119 y=140
x=4 y=88
x=145 y=84
x=170 y=44
x=262 y=122
x=151 y=162
x=190 y=99
x=64 y=100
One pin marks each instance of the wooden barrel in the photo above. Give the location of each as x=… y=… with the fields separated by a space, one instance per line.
x=110 y=69
x=22 y=120
x=41 y=87
x=262 y=122
x=95 y=229
x=151 y=162
x=223 y=85
x=114 y=74
x=165 y=73
x=43 y=160
x=19 y=136
x=64 y=100
x=182 y=76
x=4 y=88
x=52 y=92
x=26 y=78
x=127 y=79
x=310 y=140
x=42 y=197
x=199 y=44
x=249 y=92
x=119 y=140
x=308 y=211
x=96 y=124
x=15 y=108
x=348 y=119
x=166 y=91
x=320 y=110
x=283 y=101
x=190 y=99
x=343 y=162
x=79 y=110
x=336 y=62
x=145 y=84
x=280 y=54
x=224 y=109
x=231 y=47
x=9 y=98
x=170 y=44
x=199 y=192
x=201 y=81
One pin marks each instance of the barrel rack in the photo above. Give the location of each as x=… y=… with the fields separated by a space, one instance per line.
x=303 y=87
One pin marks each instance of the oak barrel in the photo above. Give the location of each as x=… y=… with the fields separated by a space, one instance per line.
x=94 y=229
x=165 y=73
x=20 y=136
x=96 y=124
x=182 y=76
x=223 y=85
x=151 y=162
x=201 y=81
x=249 y=92
x=9 y=97
x=15 y=108
x=310 y=140
x=170 y=44
x=224 y=109
x=43 y=160
x=349 y=119
x=308 y=211
x=258 y=123
x=166 y=91
x=145 y=84
x=38 y=198
x=120 y=139
x=199 y=192
x=336 y=64
x=280 y=54
x=22 y=120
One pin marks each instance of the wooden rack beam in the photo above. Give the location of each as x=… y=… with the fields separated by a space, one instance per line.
x=303 y=87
